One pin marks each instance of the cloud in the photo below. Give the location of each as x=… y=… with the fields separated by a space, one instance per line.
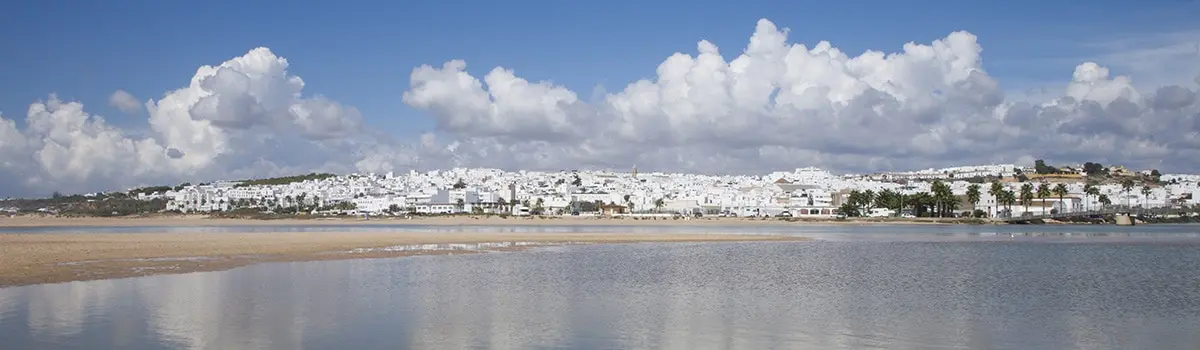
x=62 y=144
x=125 y=102
x=780 y=105
x=236 y=119
x=1156 y=59
x=772 y=105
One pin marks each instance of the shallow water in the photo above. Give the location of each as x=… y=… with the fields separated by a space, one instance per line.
x=1095 y=287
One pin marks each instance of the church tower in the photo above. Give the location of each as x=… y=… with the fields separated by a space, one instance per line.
x=635 y=171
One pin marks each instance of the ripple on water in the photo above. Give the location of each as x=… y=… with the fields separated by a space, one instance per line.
x=820 y=294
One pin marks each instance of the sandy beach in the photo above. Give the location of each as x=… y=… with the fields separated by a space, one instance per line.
x=461 y=220
x=62 y=257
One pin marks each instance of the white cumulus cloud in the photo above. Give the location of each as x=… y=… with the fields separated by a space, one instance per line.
x=781 y=105
x=771 y=105
x=244 y=117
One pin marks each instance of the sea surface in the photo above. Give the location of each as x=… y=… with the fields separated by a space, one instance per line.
x=855 y=287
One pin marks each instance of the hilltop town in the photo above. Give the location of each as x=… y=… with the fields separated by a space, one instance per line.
x=975 y=191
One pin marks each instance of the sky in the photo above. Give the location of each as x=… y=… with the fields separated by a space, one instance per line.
x=106 y=96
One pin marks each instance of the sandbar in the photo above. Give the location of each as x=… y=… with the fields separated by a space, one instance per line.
x=35 y=258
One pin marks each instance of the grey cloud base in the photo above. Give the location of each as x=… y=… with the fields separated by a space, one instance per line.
x=777 y=105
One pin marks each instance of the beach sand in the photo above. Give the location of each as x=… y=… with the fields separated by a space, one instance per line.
x=458 y=220
x=34 y=258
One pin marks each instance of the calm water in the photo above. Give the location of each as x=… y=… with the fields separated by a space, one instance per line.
x=1098 y=287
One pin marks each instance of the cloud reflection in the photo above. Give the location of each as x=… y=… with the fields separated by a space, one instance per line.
x=954 y=294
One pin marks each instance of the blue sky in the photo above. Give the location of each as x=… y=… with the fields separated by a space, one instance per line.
x=361 y=53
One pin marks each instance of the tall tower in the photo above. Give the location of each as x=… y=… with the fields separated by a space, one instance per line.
x=635 y=171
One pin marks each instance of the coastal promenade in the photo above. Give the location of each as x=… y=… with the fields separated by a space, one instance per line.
x=1106 y=212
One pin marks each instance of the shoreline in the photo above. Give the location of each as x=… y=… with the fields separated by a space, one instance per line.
x=39 y=258
x=460 y=220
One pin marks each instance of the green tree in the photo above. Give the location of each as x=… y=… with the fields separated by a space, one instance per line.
x=921 y=202
x=1127 y=187
x=1026 y=195
x=887 y=199
x=1104 y=200
x=1093 y=169
x=1146 y=195
x=1040 y=167
x=942 y=198
x=658 y=205
x=996 y=190
x=1007 y=198
x=973 y=196
x=1093 y=191
x=848 y=209
x=1087 y=191
x=459 y=185
x=459 y=204
x=1043 y=192
x=1060 y=190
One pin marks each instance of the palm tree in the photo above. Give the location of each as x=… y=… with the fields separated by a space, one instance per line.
x=868 y=198
x=1087 y=192
x=1060 y=190
x=1026 y=195
x=1094 y=191
x=1104 y=200
x=1126 y=186
x=537 y=205
x=300 y=201
x=1006 y=198
x=883 y=199
x=1146 y=191
x=658 y=205
x=458 y=203
x=973 y=196
x=1043 y=191
x=945 y=198
x=996 y=190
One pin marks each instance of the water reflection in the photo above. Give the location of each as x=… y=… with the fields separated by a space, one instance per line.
x=682 y=296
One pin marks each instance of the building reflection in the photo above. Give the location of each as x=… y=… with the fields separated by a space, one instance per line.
x=678 y=296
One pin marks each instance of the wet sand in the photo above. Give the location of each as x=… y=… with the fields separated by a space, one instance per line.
x=460 y=220
x=63 y=257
